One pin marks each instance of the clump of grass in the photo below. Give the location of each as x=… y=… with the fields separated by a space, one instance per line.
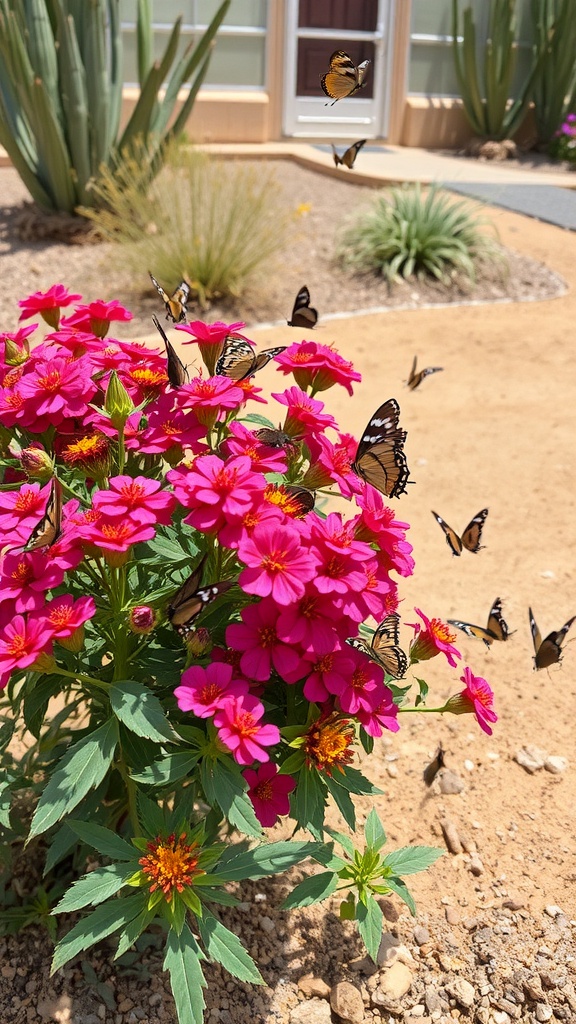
x=211 y=222
x=405 y=232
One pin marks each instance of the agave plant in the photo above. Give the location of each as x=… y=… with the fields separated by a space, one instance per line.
x=61 y=92
x=554 y=91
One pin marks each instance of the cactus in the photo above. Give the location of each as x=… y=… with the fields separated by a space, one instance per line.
x=61 y=93
x=554 y=91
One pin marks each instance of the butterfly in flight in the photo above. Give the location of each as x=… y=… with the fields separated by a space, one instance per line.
x=471 y=536
x=190 y=599
x=496 y=628
x=344 y=78
x=384 y=649
x=431 y=770
x=239 y=361
x=48 y=530
x=303 y=315
x=349 y=156
x=380 y=459
x=175 y=303
x=548 y=651
x=177 y=372
x=416 y=378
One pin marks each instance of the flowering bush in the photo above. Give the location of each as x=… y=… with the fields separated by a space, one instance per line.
x=175 y=627
x=563 y=144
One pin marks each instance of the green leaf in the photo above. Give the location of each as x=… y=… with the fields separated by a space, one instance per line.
x=81 y=768
x=256 y=417
x=410 y=859
x=103 y=840
x=308 y=800
x=401 y=889
x=328 y=859
x=94 y=888
x=225 y=947
x=267 y=859
x=96 y=926
x=344 y=840
x=370 y=919
x=133 y=931
x=138 y=753
x=354 y=782
x=343 y=801
x=224 y=786
x=151 y=815
x=36 y=702
x=140 y=710
x=312 y=890
x=182 y=961
x=374 y=833
x=168 y=770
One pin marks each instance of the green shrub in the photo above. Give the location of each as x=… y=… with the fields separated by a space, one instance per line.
x=211 y=222
x=406 y=232
x=554 y=91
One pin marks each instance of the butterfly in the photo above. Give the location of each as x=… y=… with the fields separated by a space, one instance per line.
x=415 y=379
x=496 y=628
x=302 y=500
x=548 y=651
x=303 y=315
x=384 y=649
x=274 y=438
x=471 y=536
x=380 y=458
x=349 y=156
x=239 y=361
x=190 y=599
x=175 y=303
x=47 y=531
x=431 y=770
x=344 y=78
x=177 y=372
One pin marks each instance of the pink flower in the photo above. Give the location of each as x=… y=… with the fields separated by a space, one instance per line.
x=262 y=649
x=97 y=316
x=141 y=499
x=304 y=414
x=171 y=429
x=16 y=347
x=277 y=563
x=203 y=690
x=435 y=638
x=22 y=640
x=239 y=729
x=211 y=339
x=268 y=791
x=339 y=556
x=48 y=304
x=384 y=716
x=210 y=398
x=23 y=508
x=376 y=525
x=65 y=615
x=333 y=465
x=264 y=458
x=111 y=535
x=328 y=674
x=215 y=491
x=54 y=390
x=314 y=623
x=476 y=697
x=142 y=619
x=364 y=688
x=26 y=576
x=317 y=366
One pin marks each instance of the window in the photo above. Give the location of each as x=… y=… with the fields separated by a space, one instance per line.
x=239 y=58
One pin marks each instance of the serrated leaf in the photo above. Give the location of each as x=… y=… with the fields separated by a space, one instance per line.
x=307 y=802
x=343 y=802
x=96 y=926
x=328 y=859
x=224 y=786
x=5 y=798
x=256 y=417
x=94 y=888
x=182 y=961
x=410 y=859
x=151 y=815
x=140 y=711
x=36 y=702
x=401 y=889
x=168 y=770
x=311 y=890
x=103 y=840
x=81 y=769
x=370 y=920
x=353 y=780
x=169 y=550
x=133 y=931
x=344 y=840
x=267 y=859
x=374 y=833
x=225 y=947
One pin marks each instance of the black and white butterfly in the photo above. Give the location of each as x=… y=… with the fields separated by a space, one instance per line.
x=548 y=651
x=436 y=764
x=48 y=530
x=175 y=303
x=380 y=459
x=496 y=627
x=471 y=536
x=416 y=377
x=343 y=77
x=177 y=372
x=239 y=361
x=384 y=649
x=349 y=156
x=303 y=315
x=190 y=599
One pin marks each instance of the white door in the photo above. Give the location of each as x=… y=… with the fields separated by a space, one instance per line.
x=314 y=29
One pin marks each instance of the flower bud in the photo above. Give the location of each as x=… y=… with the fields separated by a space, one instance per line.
x=44 y=662
x=37 y=463
x=51 y=317
x=200 y=642
x=74 y=642
x=458 y=704
x=15 y=354
x=117 y=403
x=142 y=619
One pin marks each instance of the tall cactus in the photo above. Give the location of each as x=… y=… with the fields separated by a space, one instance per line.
x=61 y=92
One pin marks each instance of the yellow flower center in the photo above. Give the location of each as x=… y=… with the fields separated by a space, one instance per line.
x=171 y=864
x=327 y=743
x=27 y=501
x=51 y=381
x=86 y=449
x=440 y=630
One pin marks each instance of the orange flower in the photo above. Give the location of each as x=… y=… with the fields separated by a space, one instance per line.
x=171 y=863
x=327 y=742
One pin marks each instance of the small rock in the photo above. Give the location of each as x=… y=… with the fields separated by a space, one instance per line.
x=346 y=1001
x=432 y=999
x=387 y=950
x=513 y=904
x=389 y=910
x=452 y=915
x=416 y=1012
x=267 y=925
x=555 y=764
x=500 y=1017
x=552 y=910
x=470 y=923
x=533 y=988
x=451 y=837
x=394 y=983
x=476 y=865
x=469 y=765
x=531 y=758
x=421 y=935
x=155 y=999
x=462 y=991
x=392 y=771
x=450 y=783
x=125 y=1005
x=314 y=987
x=543 y=1012
x=8 y=972
x=311 y=1011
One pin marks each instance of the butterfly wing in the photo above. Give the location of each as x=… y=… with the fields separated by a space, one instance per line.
x=176 y=308
x=335 y=157
x=452 y=539
x=473 y=533
x=303 y=498
x=536 y=634
x=238 y=360
x=47 y=531
x=549 y=650
x=479 y=632
x=303 y=315
x=496 y=622
x=431 y=770
x=414 y=378
x=177 y=372
x=342 y=78
x=380 y=459
x=274 y=438
x=190 y=599
x=385 y=647
x=349 y=157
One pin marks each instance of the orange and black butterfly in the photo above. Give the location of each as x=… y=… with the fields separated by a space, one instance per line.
x=548 y=651
x=303 y=315
x=380 y=459
x=471 y=536
x=344 y=78
x=48 y=530
x=436 y=764
x=239 y=361
x=348 y=158
x=416 y=377
x=384 y=649
x=190 y=599
x=496 y=628
x=175 y=303
x=177 y=372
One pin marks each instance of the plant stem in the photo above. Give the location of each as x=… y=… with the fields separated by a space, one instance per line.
x=91 y=680
x=422 y=710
